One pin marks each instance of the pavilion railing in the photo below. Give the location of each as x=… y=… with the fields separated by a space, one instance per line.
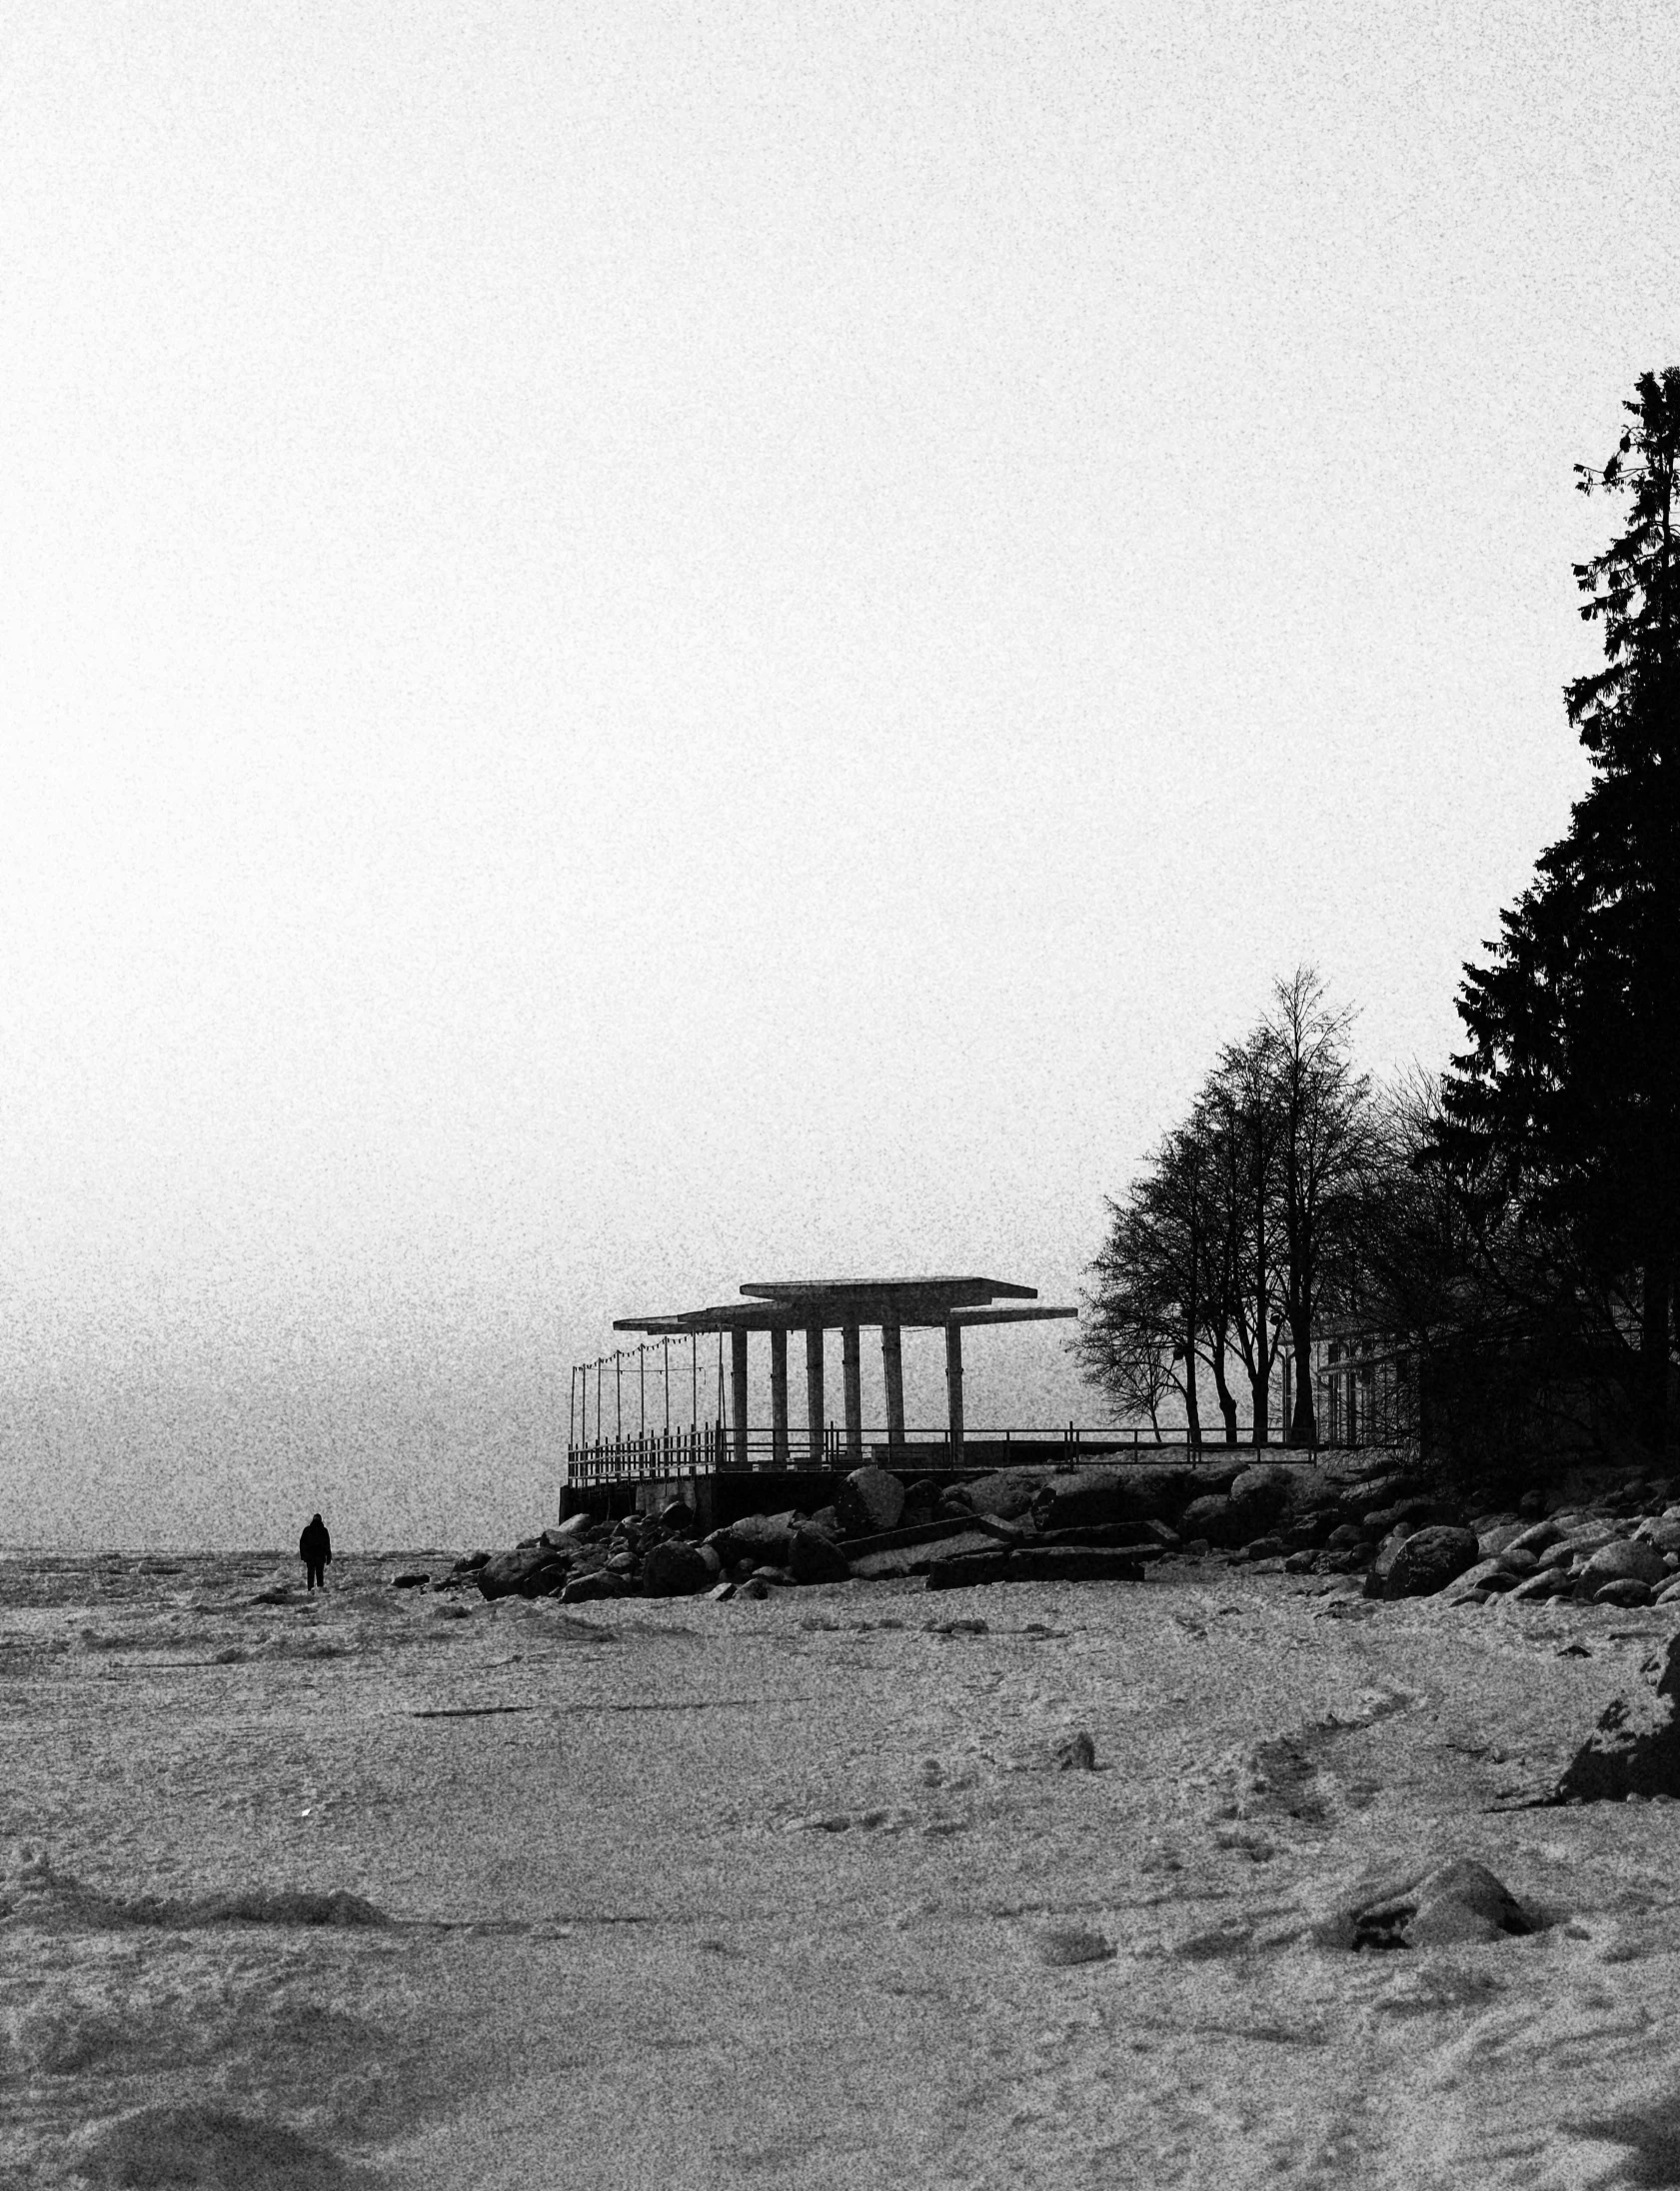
x=695 y=1449
x=709 y=1448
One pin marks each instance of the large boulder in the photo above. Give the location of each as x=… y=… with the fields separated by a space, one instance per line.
x=1076 y=1498
x=1462 y=1903
x=1380 y=1489
x=1458 y=1903
x=598 y=1584
x=1479 y=1582
x=1259 y=1497
x=1624 y=1591
x=1580 y=1543
x=533 y=1571
x=1539 y=1537
x=1263 y=1547
x=1635 y=1748
x=1007 y=1492
x=1311 y=1527
x=1383 y=1563
x=1619 y=1561
x=1204 y=1477
x=1532 y=1589
x=1150 y=1493
x=1213 y=1519
x=921 y=1500
x=897 y=1561
x=1428 y=1562
x=1566 y=1519
x=784 y=1522
x=1490 y=1542
x=1352 y=1562
x=569 y=1531
x=814 y=1557
x=871 y=1501
x=677 y=1569
x=767 y=1539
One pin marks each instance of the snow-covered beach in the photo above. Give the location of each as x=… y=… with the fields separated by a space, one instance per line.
x=792 y=1891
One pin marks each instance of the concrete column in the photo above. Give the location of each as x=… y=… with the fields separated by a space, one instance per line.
x=953 y=1389
x=779 y=1399
x=738 y=1394
x=853 y=1368
x=815 y=1419
x=892 y=1372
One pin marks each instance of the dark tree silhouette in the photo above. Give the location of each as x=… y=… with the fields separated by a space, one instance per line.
x=1242 y=1221
x=1246 y=1137
x=1468 y=1280
x=1564 y=1113
x=1333 y=1145
x=1140 y=1332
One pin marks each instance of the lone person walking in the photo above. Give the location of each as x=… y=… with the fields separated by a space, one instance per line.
x=315 y=1550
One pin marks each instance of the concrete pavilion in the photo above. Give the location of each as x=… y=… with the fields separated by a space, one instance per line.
x=816 y=1305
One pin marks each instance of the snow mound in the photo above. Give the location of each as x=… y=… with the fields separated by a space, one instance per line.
x=195 y=2144
x=29 y=1886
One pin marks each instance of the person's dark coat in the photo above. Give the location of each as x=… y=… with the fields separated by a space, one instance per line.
x=315 y=1547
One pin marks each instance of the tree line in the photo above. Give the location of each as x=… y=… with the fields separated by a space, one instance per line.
x=1515 y=1218
x=1242 y=1227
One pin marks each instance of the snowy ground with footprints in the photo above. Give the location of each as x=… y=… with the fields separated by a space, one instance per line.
x=1089 y=1884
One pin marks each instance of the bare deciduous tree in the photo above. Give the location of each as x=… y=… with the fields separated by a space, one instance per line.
x=1244 y=1218
x=1331 y=1148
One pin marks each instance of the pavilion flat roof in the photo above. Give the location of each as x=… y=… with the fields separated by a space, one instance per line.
x=807 y=1303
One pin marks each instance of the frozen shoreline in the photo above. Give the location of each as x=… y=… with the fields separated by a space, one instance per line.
x=767 y=1893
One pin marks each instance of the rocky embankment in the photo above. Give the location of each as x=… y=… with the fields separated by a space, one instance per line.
x=1403 y=1534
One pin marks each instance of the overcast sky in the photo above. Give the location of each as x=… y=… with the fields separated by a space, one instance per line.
x=650 y=646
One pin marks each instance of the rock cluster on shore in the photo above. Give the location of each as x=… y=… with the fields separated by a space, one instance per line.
x=1404 y=1537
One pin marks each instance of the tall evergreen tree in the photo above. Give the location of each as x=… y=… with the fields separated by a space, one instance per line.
x=1566 y=1108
